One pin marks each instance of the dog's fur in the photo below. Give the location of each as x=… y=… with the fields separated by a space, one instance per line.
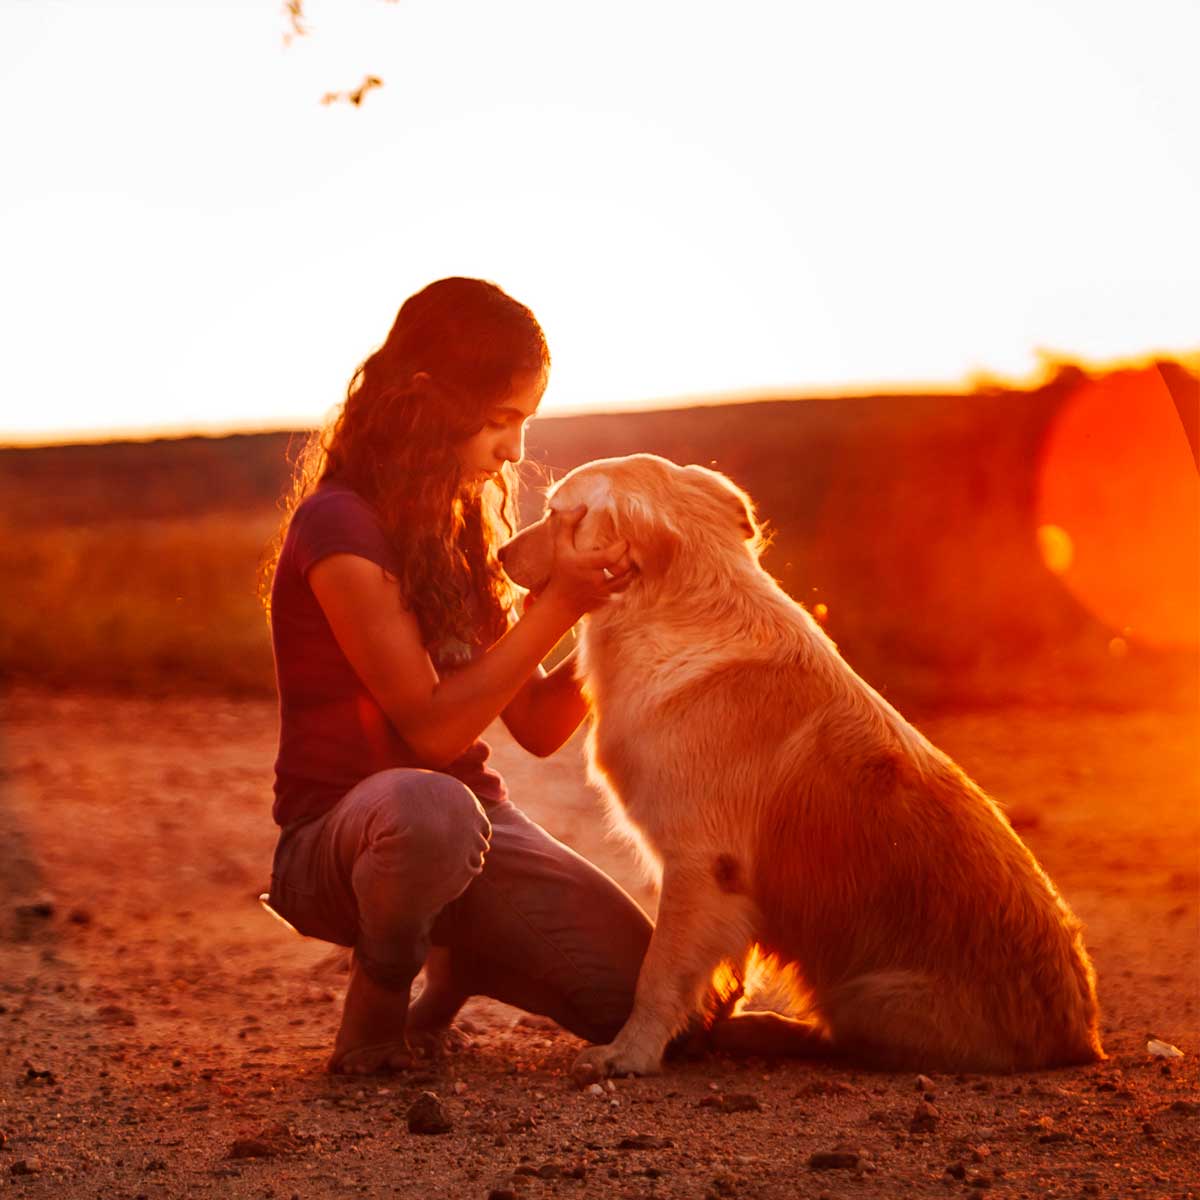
x=789 y=806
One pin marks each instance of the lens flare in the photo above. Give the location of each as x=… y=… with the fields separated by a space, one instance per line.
x=1118 y=510
x=1056 y=548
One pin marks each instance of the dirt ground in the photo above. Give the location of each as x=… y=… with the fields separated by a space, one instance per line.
x=164 y=1037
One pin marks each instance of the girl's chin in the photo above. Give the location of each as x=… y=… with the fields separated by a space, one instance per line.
x=472 y=485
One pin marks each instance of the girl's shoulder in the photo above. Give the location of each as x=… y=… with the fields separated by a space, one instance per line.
x=331 y=496
x=336 y=519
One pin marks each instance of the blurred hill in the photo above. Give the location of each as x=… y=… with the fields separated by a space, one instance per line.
x=913 y=519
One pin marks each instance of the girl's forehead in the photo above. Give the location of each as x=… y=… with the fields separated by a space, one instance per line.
x=526 y=392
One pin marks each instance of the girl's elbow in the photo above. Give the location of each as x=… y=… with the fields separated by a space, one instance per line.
x=433 y=753
x=541 y=747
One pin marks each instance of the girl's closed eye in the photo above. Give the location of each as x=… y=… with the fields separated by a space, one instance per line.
x=503 y=421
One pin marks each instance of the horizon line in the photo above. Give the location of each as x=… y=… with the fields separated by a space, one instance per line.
x=1048 y=368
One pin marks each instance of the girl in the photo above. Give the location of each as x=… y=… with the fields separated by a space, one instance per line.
x=396 y=644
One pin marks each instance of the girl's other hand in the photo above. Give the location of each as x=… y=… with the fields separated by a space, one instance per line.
x=582 y=580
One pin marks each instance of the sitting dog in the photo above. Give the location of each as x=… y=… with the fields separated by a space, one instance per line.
x=788 y=806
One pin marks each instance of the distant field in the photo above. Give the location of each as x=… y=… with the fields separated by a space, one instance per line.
x=911 y=519
x=158 y=604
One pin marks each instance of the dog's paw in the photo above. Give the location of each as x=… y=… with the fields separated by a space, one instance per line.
x=597 y=1062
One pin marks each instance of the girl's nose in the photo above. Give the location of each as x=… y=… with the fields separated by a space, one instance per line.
x=513 y=449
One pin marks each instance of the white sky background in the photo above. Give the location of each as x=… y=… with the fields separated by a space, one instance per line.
x=694 y=198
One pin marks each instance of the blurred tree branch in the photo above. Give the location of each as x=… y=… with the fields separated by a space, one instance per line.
x=356 y=96
x=297 y=27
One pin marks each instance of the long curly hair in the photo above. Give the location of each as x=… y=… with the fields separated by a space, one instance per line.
x=452 y=354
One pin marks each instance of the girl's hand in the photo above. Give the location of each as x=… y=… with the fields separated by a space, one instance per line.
x=582 y=580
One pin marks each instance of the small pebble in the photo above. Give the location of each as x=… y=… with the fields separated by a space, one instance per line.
x=924 y=1119
x=251 y=1147
x=427 y=1115
x=833 y=1160
x=737 y=1102
x=1158 y=1049
x=644 y=1141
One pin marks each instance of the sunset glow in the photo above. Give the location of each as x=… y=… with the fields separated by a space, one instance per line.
x=696 y=200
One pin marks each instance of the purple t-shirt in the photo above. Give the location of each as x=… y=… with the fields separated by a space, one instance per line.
x=332 y=733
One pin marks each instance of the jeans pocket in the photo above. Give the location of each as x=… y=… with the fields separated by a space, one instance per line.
x=296 y=893
x=306 y=914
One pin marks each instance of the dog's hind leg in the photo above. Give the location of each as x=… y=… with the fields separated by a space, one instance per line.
x=909 y=1020
x=769 y=1035
x=699 y=927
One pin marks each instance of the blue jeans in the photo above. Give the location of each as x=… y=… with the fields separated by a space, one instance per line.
x=408 y=859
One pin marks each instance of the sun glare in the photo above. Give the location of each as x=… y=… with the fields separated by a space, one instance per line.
x=777 y=198
x=1118 y=510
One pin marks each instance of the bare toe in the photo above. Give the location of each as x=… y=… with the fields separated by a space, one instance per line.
x=381 y=1058
x=439 y=1042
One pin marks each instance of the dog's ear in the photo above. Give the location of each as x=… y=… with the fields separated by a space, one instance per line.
x=745 y=517
x=653 y=538
x=734 y=501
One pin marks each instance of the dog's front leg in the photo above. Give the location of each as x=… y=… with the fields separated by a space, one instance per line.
x=699 y=927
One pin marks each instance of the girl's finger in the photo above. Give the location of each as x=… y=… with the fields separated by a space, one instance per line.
x=618 y=580
x=566 y=520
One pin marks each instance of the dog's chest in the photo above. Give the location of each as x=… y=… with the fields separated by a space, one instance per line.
x=620 y=757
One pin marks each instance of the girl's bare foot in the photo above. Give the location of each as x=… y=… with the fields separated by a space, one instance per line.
x=438 y=1041
x=432 y=1032
x=372 y=1038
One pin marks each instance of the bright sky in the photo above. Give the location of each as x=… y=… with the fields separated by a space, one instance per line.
x=694 y=198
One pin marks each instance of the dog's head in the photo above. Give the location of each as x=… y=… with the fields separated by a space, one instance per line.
x=672 y=517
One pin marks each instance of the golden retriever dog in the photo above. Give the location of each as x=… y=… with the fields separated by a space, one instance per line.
x=786 y=806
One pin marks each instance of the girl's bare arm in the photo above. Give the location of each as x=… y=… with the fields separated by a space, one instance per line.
x=440 y=717
x=548 y=709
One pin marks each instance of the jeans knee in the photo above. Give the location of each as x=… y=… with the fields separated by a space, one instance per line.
x=434 y=814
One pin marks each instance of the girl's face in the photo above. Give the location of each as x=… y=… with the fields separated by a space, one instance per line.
x=502 y=438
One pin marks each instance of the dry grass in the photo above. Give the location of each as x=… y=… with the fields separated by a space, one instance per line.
x=169 y=605
x=164 y=604
x=911 y=519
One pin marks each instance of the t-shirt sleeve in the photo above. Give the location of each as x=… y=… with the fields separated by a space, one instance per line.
x=339 y=523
